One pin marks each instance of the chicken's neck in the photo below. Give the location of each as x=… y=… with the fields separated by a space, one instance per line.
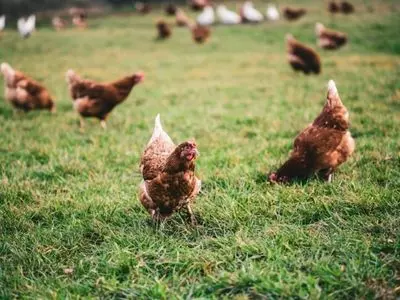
x=124 y=87
x=294 y=167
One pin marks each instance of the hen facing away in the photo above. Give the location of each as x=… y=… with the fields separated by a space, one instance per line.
x=169 y=182
x=250 y=14
x=301 y=57
x=92 y=99
x=329 y=39
x=23 y=92
x=322 y=146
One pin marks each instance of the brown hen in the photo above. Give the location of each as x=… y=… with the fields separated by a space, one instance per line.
x=301 y=57
x=322 y=146
x=293 y=14
x=200 y=33
x=329 y=39
x=163 y=29
x=169 y=181
x=23 y=92
x=92 y=99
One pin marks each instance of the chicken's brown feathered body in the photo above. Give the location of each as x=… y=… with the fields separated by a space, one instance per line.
x=198 y=5
x=322 y=146
x=163 y=29
x=329 y=39
x=23 y=92
x=169 y=182
x=333 y=7
x=58 y=23
x=170 y=9
x=97 y=100
x=301 y=57
x=293 y=14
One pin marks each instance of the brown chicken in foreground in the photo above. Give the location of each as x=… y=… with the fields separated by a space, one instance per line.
x=23 y=92
x=169 y=181
x=181 y=18
x=293 y=14
x=329 y=39
x=200 y=33
x=163 y=29
x=97 y=100
x=301 y=57
x=322 y=146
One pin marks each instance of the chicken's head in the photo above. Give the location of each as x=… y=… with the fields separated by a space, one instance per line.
x=138 y=77
x=188 y=150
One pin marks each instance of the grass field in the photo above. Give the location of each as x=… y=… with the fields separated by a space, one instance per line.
x=68 y=200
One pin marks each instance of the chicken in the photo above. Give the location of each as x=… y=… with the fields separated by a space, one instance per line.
x=346 y=7
x=293 y=14
x=170 y=9
x=200 y=33
x=97 y=100
x=181 y=18
x=322 y=146
x=142 y=8
x=80 y=20
x=23 y=92
x=333 y=7
x=164 y=31
x=26 y=26
x=301 y=57
x=272 y=13
x=198 y=5
x=169 y=181
x=226 y=16
x=58 y=23
x=2 y=22
x=250 y=14
x=207 y=17
x=329 y=39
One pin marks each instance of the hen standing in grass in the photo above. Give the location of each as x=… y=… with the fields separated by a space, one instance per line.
x=293 y=14
x=58 y=23
x=181 y=18
x=250 y=14
x=163 y=29
x=23 y=92
x=200 y=33
x=329 y=39
x=97 y=100
x=322 y=146
x=169 y=183
x=301 y=57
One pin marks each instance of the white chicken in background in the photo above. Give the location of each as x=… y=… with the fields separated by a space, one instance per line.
x=26 y=26
x=227 y=17
x=272 y=13
x=250 y=14
x=207 y=17
x=2 y=22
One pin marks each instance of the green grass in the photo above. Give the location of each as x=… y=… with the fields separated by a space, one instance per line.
x=69 y=199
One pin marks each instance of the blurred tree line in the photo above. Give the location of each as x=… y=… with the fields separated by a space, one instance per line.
x=17 y=8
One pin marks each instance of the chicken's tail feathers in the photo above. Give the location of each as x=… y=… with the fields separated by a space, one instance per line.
x=158 y=131
x=319 y=27
x=333 y=98
x=71 y=76
x=7 y=70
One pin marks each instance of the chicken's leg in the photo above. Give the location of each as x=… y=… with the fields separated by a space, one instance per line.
x=81 y=124
x=103 y=124
x=191 y=214
x=327 y=174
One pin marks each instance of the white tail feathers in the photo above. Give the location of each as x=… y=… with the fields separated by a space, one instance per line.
x=70 y=76
x=158 y=132
x=319 y=27
x=7 y=71
x=332 y=90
